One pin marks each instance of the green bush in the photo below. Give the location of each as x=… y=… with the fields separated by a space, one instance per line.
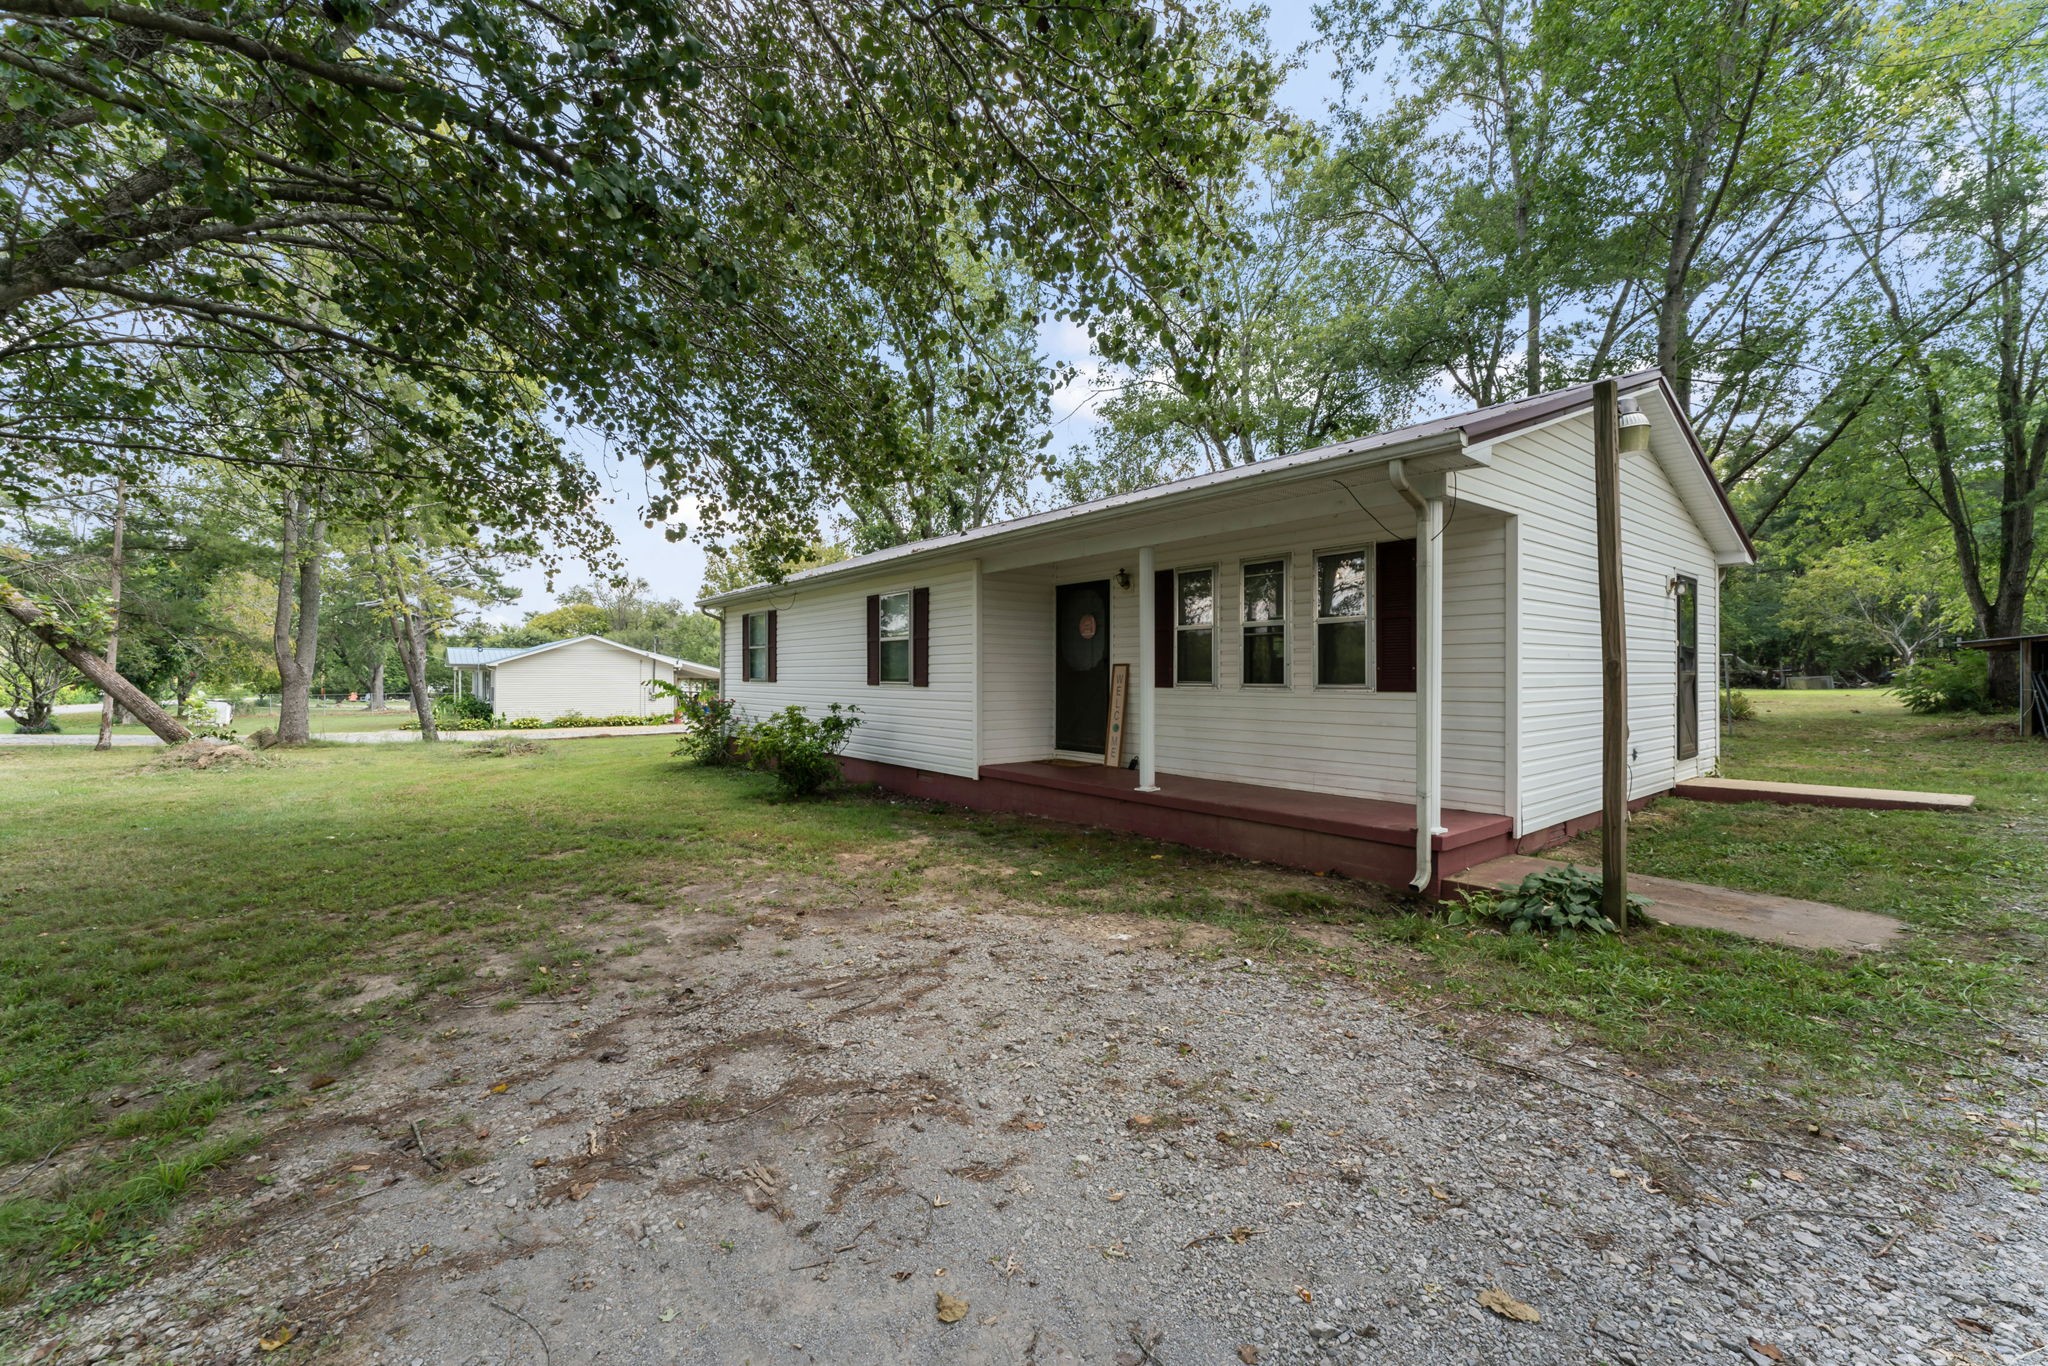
x=1740 y=706
x=801 y=751
x=1938 y=683
x=47 y=726
x=1556 y=901
x=468 y=707
x=713 y=737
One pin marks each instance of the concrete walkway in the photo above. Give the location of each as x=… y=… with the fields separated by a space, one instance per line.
x=378 y=737
x=1754 y=915
x=1821 y=794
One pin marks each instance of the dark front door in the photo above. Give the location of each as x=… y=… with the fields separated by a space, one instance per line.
x=1081 y=668
x=1688 y=668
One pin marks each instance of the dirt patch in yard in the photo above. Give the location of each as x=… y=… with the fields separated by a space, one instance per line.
x=781 y=1139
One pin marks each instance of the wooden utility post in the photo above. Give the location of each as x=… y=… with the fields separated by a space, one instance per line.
x=106 y=740
x=1613 y=655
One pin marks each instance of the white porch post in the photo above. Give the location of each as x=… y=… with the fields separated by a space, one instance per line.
x=1148 y=682
x=1428 y=503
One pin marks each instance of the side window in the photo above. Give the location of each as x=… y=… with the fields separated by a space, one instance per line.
x=1194 y=626
x=1342 y=609
x=1265 y=624
x=754 y=644
x=895 y=636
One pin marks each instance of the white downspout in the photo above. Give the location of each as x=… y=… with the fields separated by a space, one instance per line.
x=1429 y=664
x=1148 y=682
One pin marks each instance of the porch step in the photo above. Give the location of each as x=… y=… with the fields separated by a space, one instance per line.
x=1820 y=794
x=1753 y=915
x=1327 y=813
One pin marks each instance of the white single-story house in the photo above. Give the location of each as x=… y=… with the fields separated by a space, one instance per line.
x=588 y=676
x=1380 y=658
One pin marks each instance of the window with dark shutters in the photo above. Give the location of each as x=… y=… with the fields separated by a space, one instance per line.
x=771 y=647
x=1394 y=634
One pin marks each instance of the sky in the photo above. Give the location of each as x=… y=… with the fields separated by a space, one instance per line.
x=675 y=569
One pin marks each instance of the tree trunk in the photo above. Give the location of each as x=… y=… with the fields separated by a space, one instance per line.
x=298 y=575
x=106 y=740
x=407 y=629
x=377 y=686
x=132 y=699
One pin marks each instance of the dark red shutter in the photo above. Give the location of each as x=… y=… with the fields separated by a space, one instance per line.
x=1394 y=644
x=920 y=637
x=1163 y=619
x=771 y=647
x=874 y=640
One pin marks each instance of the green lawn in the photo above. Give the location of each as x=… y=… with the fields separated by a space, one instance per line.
x=182 y=953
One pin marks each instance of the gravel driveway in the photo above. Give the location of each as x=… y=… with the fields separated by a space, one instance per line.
x=813 y=1135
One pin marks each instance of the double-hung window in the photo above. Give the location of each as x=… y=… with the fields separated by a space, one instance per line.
x=1194 y=626
x=1265 y=624
x=754 y=644
x=895 y=637
x=1341 y=619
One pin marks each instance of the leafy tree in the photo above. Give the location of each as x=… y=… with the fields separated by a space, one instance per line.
x=570 y=619
x=1284 y=348
x=1950 y=218
x=706 y=233
x=727 y=568
x=1883 y=598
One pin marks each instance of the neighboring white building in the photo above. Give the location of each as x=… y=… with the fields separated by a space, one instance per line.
x=1301 y=637
x=588 y=675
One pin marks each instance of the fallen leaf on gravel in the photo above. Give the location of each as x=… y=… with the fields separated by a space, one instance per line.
x=940 y=1202
x=1508 y=1307
x=359 y=1167
x=1766 y=1349
x=1307 y=1295
x=951 y=1308
x=1244 y=1233
x=1617 y=1173
x=320 y=1082
x=579 y=1189
x=1033 y=1125
x=1139 y=1122
x=902 y=1275
x=1115 y=1249
x=1114 y=1196
x=542 y=1161
x=1974 y=1325
x=667 y=1316
x=1793 y=1174
x=501 y=1088
x=1248 y=1354
x=277 y=1339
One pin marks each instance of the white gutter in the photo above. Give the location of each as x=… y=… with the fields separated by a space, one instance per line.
x=1429 y=663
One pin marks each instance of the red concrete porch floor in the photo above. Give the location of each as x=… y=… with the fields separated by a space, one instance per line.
x=1356 y=836
x=1820 y=794
x=1754 y=915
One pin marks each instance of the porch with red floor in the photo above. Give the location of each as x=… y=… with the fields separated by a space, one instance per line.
x=1356 y=836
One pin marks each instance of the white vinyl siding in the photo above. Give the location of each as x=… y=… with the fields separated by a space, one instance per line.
x=1548 y=475
x=1348 y=741
x=584 y=676
x=821 y=657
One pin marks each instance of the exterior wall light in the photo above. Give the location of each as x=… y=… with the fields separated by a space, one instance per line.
x=1635 y=428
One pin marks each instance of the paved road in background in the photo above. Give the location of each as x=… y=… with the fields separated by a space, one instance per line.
x=376 y=737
